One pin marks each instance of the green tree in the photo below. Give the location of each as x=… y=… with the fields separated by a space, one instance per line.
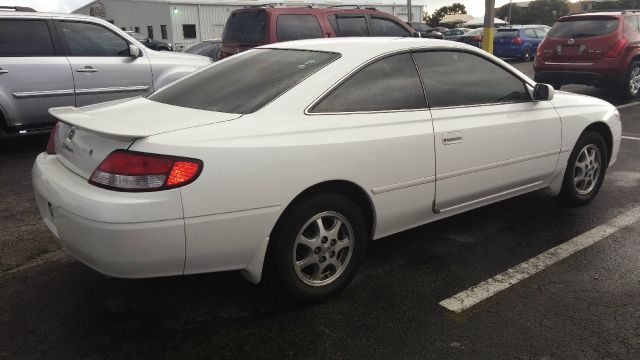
x=455 y=8
x=546 y=11
x=519 y=14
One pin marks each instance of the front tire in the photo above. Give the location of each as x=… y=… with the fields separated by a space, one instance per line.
x=526 y=55
x=317 y=248
x=585 y=170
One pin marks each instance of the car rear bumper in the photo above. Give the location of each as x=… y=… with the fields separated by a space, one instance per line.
x=508 y=51
x=111 y=232
x=601 y=73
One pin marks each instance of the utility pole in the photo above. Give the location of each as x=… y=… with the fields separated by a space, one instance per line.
x=409 y=10
x=489 y=15
x=510 y=4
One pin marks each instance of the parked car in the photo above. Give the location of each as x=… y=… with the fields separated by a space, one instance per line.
x=425 y=31
x=258 y=25
x=455 y=34
x=440 y=29
x=209 y=48
x=285 y=161
x=49 y=60
x=597 y=49
x=473 y=37
x=518 y=41
x=151 y=43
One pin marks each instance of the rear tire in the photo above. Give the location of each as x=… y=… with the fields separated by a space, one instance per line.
x=585 y=170
x=309 y=259
x=526 y=55
x=631 y=86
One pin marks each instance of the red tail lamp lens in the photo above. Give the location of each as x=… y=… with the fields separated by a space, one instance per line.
x=617 y=48
x=517 y=41
x=51 y=143
x=134 y=171
x=477 y=38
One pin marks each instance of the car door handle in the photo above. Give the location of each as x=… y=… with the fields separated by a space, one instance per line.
x=3 y=71
x=452 y=137
x=88 y=69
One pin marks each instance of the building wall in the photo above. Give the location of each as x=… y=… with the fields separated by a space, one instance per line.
x=131 y=14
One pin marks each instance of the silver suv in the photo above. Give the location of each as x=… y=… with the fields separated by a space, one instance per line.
x=51 y=60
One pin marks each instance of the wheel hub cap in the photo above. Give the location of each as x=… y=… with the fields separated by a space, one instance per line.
x=323 y=248
x=587 y=169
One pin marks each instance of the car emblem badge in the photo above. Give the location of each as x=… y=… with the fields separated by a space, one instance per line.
x=71 y=134
x=571 y=41
x=236 y=51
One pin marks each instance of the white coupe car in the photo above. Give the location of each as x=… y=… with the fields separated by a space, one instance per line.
x=285 y=161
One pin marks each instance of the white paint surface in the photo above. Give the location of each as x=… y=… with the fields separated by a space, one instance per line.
x=631 y=138
x=484 y=290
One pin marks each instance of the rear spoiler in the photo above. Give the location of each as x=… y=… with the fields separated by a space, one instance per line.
x=72 y=116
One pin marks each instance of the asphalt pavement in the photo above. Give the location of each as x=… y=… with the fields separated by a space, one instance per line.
x=585 y=306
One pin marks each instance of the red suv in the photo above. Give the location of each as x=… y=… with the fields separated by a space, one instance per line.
x=254 y=26
x=598 y=49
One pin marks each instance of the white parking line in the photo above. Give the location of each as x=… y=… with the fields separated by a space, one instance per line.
x=627 y=105
x=490 y=287
x=631 y=138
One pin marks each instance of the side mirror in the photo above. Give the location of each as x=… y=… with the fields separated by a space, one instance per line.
x=542 y=92
x=134 y=51
x=416 y=34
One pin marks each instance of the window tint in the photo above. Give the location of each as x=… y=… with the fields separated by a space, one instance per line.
x=507 y=33
x=583 y=27
x=189 y=31
x=457 y=78
x=530 y=33
x=245 y=27
x=92 y=40
x=388 y=84
x=349 y=25
x=244 y=83
x=25 y=38
x=293 y=27
x=386 y=27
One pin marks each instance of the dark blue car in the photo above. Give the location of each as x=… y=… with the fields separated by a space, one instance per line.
x=518 y=41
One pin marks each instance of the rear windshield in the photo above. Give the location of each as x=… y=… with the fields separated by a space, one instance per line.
x=244 y=83
x=245 y=27
x=507 y=33
x=583 y=27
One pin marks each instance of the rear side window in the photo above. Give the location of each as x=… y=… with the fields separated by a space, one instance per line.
x=530 y=33
x=388 y=84
x=386 y=27
x=246 y=27
x=349 y=25
x=583 y=27
x=450 y=82
x=85 y=39
x=294 y=27
x=244 y=83
x=632 y=22
x=25 y=38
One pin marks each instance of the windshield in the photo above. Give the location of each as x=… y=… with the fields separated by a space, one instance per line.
x=475 y=32
x=583 y=27
x=137 y=36
x=244 y=83
x=245 y=27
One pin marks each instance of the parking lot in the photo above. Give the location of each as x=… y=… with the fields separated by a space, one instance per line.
x=583 y=306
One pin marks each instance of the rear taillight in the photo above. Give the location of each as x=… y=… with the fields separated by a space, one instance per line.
x=517 y=41
x=51 y=143
x=135 y=171
x=477 y=38
x=617 y=48
x=539 y=49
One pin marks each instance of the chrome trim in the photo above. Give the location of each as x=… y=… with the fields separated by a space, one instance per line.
x=369 y=112
x=36 y=94
x=490 y=197
x=576 y=63
x=498 y=164
x=112 y=90
x=403 y=185
x=3 y=71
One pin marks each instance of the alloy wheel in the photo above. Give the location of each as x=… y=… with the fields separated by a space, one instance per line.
x=634 y=81
x=587 y=169
x=323 y=248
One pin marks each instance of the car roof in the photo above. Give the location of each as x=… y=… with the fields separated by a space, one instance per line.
x=367 y=47
x=312 y=10
x=45 y=15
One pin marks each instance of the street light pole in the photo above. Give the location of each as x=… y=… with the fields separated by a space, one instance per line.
x=510 y=4
x=409 y=10
x=489 y=15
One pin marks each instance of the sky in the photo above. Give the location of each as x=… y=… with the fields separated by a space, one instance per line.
x=474 y=7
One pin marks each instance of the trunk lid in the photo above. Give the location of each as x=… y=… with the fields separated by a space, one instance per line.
x=581 y=39
x=86 y=135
